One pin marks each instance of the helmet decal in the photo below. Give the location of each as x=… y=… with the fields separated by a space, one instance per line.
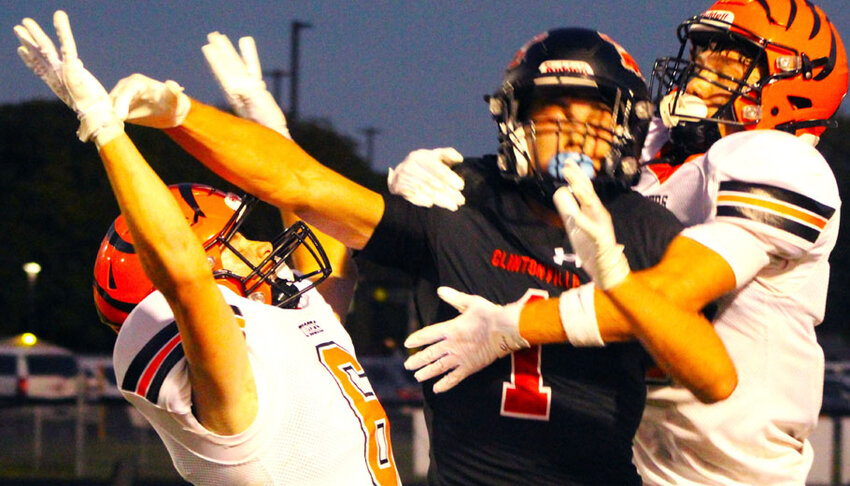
x=566 y=66
x=770 y=18
x=520 y=54
x=625 y=58
x=829 y=63
x=189 y=198
x=724 y=16
x=119 y=243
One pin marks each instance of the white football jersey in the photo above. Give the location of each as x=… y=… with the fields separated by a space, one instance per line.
x=769 y=205
x=319 y=421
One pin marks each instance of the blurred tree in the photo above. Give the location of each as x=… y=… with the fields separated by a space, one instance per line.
x=57 y=204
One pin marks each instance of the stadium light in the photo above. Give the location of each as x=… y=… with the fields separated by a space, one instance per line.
x=32 y=269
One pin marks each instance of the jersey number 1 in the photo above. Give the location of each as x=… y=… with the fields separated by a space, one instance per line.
x=525 y=396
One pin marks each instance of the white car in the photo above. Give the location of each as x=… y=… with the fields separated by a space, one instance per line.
x=36 y=370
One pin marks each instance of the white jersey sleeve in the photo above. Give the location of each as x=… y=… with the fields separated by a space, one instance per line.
x=153 y=375
x=776 y=188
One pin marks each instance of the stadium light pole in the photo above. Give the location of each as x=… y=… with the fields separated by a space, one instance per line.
x=370 y=133
x=295 y=35
x=277 y=75
x=32 y=269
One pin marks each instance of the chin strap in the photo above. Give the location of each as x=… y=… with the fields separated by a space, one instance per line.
x=693 y=137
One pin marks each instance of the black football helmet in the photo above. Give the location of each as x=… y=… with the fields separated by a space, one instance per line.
x=579 y=63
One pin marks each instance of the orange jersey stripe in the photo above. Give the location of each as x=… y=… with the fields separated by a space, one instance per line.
x=783 y=209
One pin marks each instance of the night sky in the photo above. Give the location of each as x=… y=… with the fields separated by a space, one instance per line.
x=414 y=70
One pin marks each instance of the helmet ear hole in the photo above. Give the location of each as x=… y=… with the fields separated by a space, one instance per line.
x=798 y=102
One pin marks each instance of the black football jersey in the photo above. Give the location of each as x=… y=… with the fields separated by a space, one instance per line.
x=552 y=414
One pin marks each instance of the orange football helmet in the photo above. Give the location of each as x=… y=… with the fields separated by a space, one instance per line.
x=792 y=41
x=120 y=282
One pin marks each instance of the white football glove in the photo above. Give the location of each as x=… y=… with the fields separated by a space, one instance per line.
x=481 y=334
x=67 y=77
x=425 y=178
x=141 y=100
x=590 y=229
x=241 y=80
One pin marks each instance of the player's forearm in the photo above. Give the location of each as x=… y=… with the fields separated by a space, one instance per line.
x=275 y=169
x=682 y=342
x=167 y=248
x=222 y=379
x=541 y=321
x=247 y=154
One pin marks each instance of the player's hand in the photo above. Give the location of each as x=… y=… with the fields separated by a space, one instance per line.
x=676 y=106
x=141 y=100
x=425 y=178
x=67 y=78
x=241 y=79
x=590 y=229
x=482 y=333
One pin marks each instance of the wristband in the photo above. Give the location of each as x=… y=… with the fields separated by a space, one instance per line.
x=578 y=317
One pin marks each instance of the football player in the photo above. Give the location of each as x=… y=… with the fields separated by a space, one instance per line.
x=237 y=362
x=754 y=84
x=512 y=424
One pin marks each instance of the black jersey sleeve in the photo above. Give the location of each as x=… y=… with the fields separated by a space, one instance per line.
x=400 y=240
x=644 y=227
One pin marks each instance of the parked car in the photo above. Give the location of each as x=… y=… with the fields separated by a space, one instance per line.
x=36 y=370
x=394 y=385
x=99 y=377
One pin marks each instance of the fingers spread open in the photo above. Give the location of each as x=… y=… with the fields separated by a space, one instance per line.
x=425 y=336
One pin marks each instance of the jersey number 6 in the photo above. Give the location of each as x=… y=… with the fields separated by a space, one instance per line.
x=356 y=388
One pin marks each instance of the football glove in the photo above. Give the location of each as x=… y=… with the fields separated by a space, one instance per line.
x=481 y=334
x=590 y=229
x=140 y=100
x=68 y=79
x=425 y=178
x=241 y=80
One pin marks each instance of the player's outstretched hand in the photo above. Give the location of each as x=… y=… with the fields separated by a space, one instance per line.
x=590 y=229
x=241 y=80
x=482 y=333
x=140 y=100
x=425 y=178
x=67 y=78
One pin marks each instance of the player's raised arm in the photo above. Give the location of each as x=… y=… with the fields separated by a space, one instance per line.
x=222 y=379
x=240 y=77
x=258 y=159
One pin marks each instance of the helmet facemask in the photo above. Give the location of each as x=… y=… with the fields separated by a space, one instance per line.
x=269 y=281
x=571 y=64
x=693 y=128
x=604 y=150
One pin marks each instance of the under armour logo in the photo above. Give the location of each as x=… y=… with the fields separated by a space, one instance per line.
x=561 y=257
